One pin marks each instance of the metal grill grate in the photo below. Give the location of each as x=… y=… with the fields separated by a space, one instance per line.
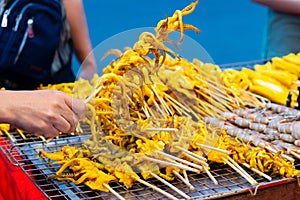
x=17 y=138
x=26 y=156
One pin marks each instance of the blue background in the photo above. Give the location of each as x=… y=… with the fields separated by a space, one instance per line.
x=231 y=30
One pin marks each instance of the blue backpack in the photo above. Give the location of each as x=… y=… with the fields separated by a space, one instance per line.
x=29 y=36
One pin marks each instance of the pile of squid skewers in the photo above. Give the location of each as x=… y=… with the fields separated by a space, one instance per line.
x=139 y=126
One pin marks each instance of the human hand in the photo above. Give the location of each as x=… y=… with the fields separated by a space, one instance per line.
x=41 y=112
x=87 y=73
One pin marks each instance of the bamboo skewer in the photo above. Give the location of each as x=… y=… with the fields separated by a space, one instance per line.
x=214 y=148
x=176 y=102
x=193 y=109
x=21 y=133
x=185 y=176
x=43 y=138
x=238 y=171
x=160 y=99
x=157 y=189
x=241 y=169
x=295 y=154
x=204 y=164
x=216 y=88
x=180 y=160
x=222 y=96
x=159 y=109
x=183 y=180
x=163 y=129
x=191 y=153
x=146 y=111
x=211 y=176
x=177 y=108
x=114 y=192
x=258 y=172
x=89 y=98
x=283 y=155
x=49 y=139
x=170 y=185
x=219 y=106
x=149 y=110
x=174 y=164
x=9 y=136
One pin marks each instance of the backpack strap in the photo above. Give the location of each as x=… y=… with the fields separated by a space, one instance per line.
x=63 y=55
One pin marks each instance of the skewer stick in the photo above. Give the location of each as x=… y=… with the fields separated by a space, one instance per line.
x=149 y=110
x=159 y=109
x=283 y=155
x=43 y=138
x=295 y=154
x=258 y=172
x=191 y=153
x=130 y=100
x=176 y=102
x=183 y=180
x=296 y=82
x=49 y=139
x=179 y=110
x=170 y=185
x=242 y=170
x=180 y=160
x=173 y=164
x=205 y=165
x=211 y=176
x=89 y=98
x=220 y=94
x=162 y=129
x=185 y=175
x=157 y=189
x=238 y=171
x=22 y=134
x=195 y=159
x=146 y=111
x=214 y=148
x=166 y=108
x=9 y=136
x=114 y=192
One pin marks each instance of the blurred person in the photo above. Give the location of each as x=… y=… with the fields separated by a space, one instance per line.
x=74 y=38
x=74 y=35
x=283 y=27
x=41 y=112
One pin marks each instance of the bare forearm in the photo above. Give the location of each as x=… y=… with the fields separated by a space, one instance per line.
x=287 y=6
x=81 y=39
x=79 y=30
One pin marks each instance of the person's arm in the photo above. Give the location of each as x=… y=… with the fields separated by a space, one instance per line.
x=41 y=112
x=80 y=36
x=286 y=6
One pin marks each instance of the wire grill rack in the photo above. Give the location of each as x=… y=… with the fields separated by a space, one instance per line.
x=240 y=65
x=24 y=153
x=38 y=170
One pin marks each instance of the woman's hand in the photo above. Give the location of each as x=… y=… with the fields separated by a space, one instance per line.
x=41 y=112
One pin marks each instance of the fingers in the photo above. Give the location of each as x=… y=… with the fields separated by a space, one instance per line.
x=77 y=106
x=42 y=129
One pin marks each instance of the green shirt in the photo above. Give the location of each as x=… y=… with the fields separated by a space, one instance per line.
x=282 y=34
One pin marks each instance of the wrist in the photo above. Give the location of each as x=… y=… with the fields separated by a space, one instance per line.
x=6 y=115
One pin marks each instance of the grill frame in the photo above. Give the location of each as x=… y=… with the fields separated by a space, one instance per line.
x=25 y=155
x=17 y=153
